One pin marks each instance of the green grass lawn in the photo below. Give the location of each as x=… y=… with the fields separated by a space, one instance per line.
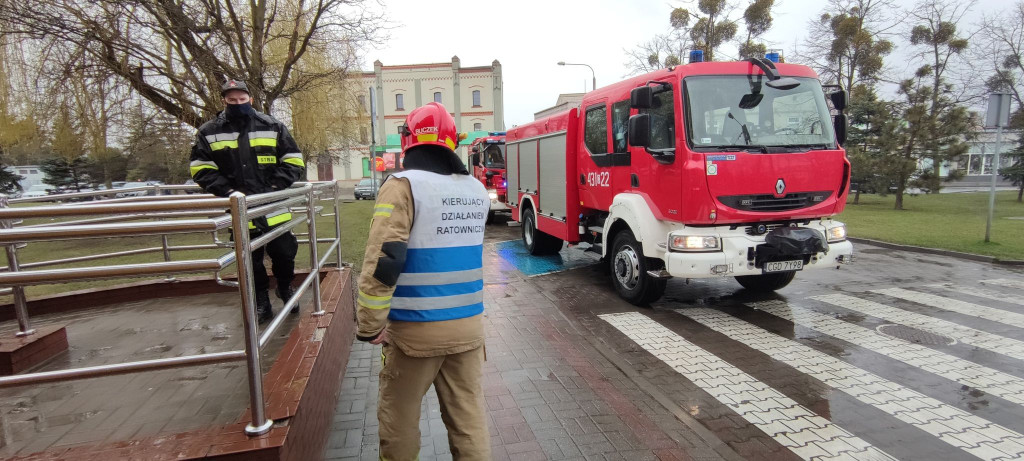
x=355 y=224
x=948 y=221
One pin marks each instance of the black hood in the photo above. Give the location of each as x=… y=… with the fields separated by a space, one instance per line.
x=434 y=159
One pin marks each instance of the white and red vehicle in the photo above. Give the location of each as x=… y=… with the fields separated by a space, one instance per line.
x=703 y=170
x=487 y=160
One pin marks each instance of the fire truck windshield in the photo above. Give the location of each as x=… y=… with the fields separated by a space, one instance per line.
x=494 y=156
x=737 y=111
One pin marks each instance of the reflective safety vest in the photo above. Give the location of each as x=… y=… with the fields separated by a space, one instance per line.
x=443 y=274
x=274 y=219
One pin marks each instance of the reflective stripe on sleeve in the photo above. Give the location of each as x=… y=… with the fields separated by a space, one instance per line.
x=263 y=134
x=383 y=210
x=278 y=219
x=373 y=302
x=199 y=165
x=294 y=158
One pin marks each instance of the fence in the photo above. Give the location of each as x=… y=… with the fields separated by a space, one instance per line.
x=133 y=215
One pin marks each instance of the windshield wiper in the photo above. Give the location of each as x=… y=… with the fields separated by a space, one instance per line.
x=818 y=146
x=743 y=128
x=738 y=147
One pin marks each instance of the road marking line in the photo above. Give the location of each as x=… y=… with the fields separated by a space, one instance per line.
x=800 y=430
x=946 y=422
x=980 y=293
x=1006 y=283
x=955 y=305
x=1009 y=347
x=953 y=368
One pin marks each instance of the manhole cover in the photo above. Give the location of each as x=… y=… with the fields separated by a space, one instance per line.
x=914 y=335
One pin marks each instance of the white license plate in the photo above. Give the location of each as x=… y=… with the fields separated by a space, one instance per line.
x=783 y=266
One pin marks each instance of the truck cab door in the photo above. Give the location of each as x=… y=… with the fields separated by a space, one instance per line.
x=656 y=170
x=603 y=171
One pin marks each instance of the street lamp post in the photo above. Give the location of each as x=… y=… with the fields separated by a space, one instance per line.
x=998 y=116
x=592 y=74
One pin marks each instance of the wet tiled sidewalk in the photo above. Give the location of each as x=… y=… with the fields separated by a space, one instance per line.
x=550 y=393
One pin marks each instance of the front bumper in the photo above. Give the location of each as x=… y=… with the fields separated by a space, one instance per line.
x=734 y=258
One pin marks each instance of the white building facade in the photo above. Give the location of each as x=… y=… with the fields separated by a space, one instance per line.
x=473 y=95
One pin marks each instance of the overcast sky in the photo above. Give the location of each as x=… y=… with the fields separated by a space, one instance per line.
x=530 y=36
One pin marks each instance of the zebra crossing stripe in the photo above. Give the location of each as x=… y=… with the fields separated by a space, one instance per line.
x=977 y=436
x=1009 y=347
x=1006 y=283
x=953 y=368
x=795 y=427
x=955 y=305
x=980 y=293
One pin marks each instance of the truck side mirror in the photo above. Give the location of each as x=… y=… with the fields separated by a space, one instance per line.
x=490 y=174
x=840 y=99
x=840 y=125
x=639 y=133
x=641 y=97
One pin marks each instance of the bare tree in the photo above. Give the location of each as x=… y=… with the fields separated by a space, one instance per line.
x=664 y=50
x=1003 y=40
x=176 y=53
x=848 y=42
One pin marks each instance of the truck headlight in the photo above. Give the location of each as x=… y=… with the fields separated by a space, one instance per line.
x=836 y=234
x=493 y=194
x=694 y=243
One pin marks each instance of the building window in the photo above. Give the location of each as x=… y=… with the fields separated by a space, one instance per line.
x=22 y=171
x=399 y=101
x=476 y=98
x=33 y=172
x=362 y=135
x=595 y=132
x=437 y=97
x=478 y=126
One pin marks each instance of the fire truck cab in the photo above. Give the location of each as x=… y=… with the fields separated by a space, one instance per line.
x=709 y=169
x=487 y=161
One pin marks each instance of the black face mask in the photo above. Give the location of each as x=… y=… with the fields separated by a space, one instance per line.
x=236 y=111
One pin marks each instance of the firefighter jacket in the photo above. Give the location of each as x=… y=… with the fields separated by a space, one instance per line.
x=252 y=155
x=422 y=274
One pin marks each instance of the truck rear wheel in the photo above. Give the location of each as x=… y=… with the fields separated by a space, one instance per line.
x=629 y=271
x=536 y=241
x=766 y=282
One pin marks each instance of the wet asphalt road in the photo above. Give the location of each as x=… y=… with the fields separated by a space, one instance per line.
x=900 y=355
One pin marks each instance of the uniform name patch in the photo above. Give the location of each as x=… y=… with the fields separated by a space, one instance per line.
x=264 y=159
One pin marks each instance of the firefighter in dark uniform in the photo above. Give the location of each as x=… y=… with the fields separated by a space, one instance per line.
x=250 y=152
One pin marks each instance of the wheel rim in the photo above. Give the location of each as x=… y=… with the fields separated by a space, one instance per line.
x=627 y=267
x=528 y=228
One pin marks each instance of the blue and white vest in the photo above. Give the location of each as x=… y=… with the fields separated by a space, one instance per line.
x=443 y=274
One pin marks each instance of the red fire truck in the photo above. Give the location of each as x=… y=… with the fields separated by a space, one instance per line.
x=708 y=169
x=487 y=159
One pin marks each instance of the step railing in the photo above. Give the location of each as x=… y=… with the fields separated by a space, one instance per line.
x=164 y=216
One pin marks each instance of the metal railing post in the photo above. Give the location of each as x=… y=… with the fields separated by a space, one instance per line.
x=337 y=220
x=314 y=258
x=20 y=303
x=243 y=260
x=167 y=254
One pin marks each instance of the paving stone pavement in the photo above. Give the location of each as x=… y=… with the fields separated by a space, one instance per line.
x=712 y=371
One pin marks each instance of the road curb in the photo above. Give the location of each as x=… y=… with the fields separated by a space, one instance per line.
x=940 y=252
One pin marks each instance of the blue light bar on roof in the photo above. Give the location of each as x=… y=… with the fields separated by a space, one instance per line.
x=696 y=56
x=496 y=133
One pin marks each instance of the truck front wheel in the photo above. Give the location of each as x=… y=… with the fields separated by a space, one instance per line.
x=536 y=241
x=766 y=282
x=629 y=271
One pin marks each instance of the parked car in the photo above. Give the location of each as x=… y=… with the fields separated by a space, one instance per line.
x=366 y=190
x=38 y=190
x=134 y=193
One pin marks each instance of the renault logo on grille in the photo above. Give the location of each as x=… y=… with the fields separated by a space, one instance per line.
x=780 y=187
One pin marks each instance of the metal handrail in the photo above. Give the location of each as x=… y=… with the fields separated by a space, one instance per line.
x=164 y=214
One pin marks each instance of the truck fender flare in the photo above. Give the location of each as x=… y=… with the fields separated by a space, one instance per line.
x=635 y=213
x=522 y=203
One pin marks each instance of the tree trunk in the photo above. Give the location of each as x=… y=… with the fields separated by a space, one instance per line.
x=1020 y=194
x=856 y=196
x=899 y=200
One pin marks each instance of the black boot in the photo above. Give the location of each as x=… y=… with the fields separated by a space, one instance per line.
x=264 y=312
x=284 y=291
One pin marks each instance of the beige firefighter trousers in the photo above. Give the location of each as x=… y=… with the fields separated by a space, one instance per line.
x=404 y=380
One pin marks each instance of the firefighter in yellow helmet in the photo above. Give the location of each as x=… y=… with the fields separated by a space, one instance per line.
x=421 y=291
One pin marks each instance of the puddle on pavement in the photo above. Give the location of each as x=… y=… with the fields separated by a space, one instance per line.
x=516 y=254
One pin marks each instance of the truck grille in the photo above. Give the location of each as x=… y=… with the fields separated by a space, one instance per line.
x=768 y=202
